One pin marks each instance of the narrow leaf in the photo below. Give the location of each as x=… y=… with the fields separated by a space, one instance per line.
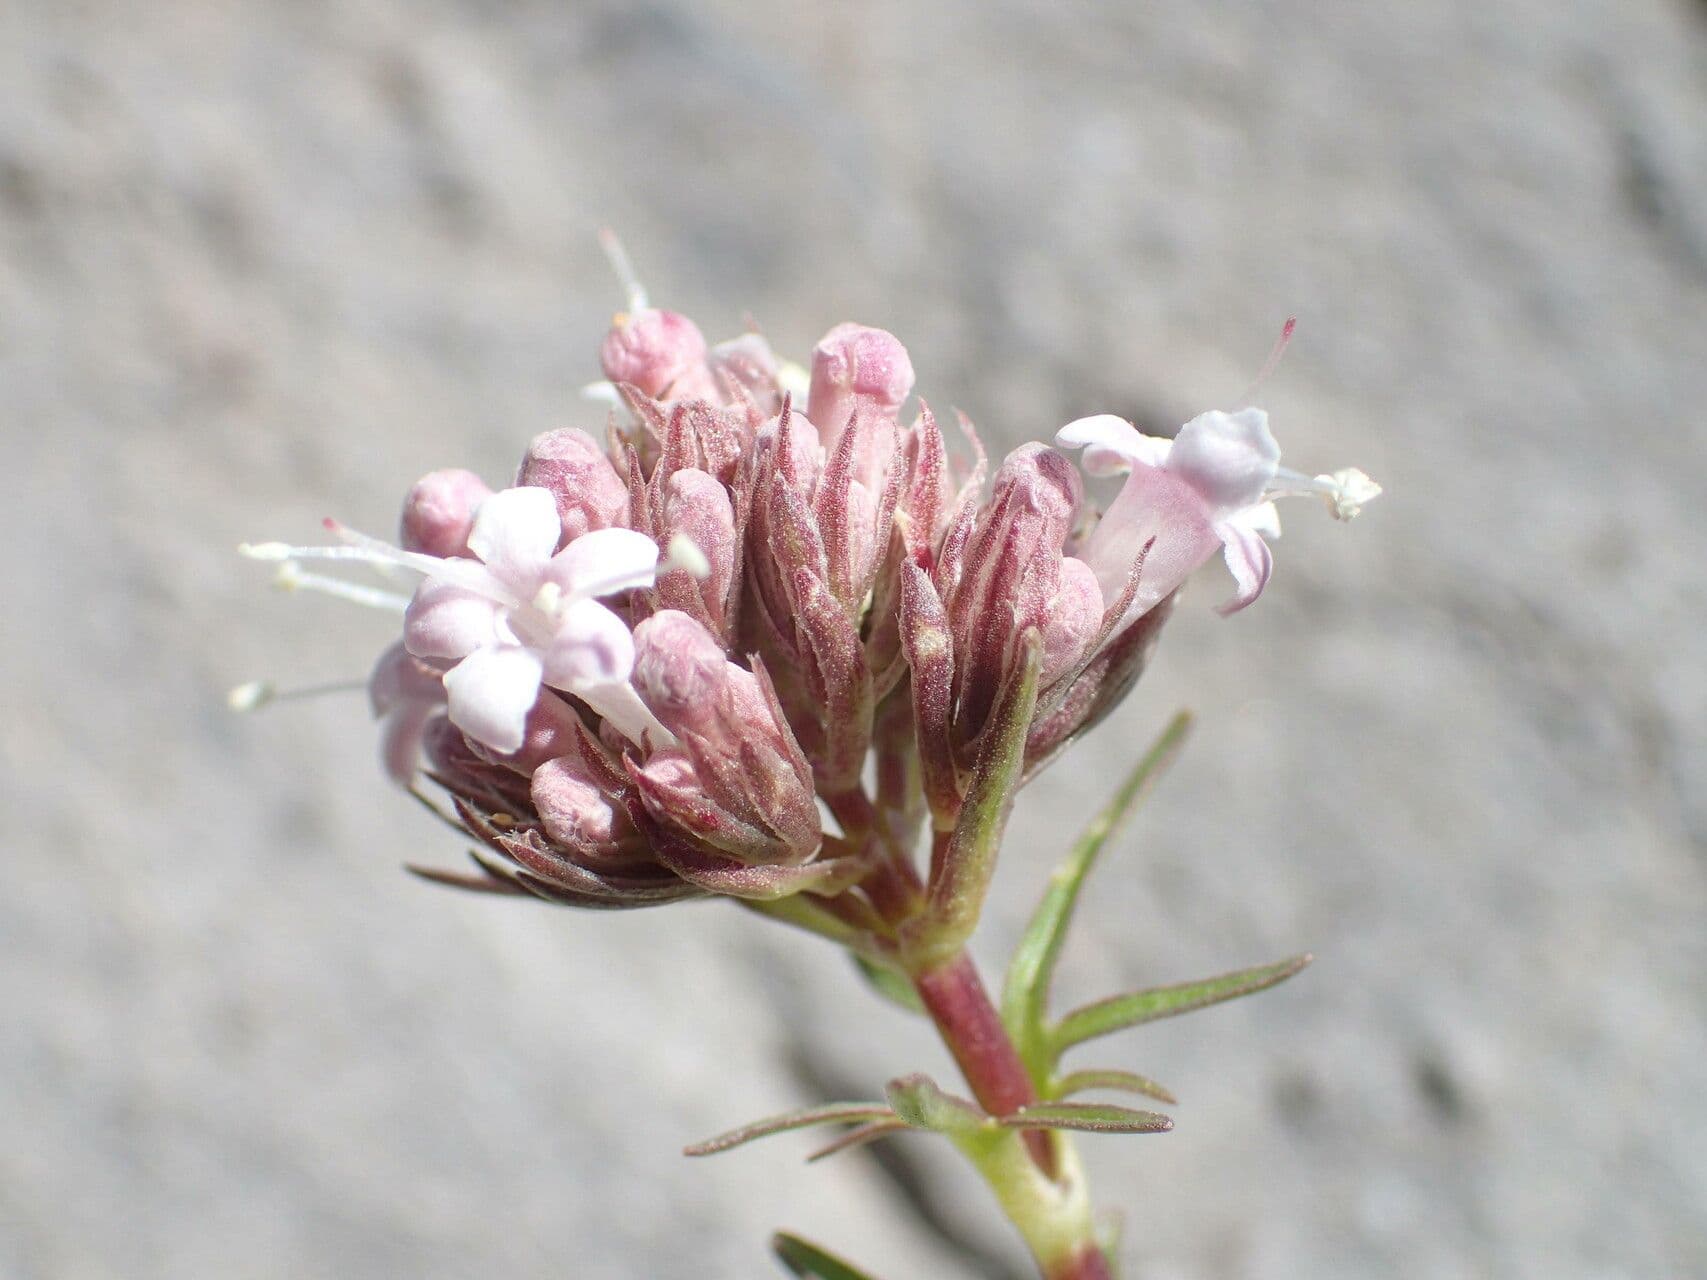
x=830 y=1113
x=1126 y=1081
x=922 y=1105
x=859 y=1137
x=1026 y=994
x=1091 y=1117
x=808 y=1261
x=890 y=983
x=1120 y=1012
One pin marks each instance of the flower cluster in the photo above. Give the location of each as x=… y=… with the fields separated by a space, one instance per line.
x=665 y=662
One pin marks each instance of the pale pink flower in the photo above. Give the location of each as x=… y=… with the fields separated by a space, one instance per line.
x=1212 y=485
x=404 y=694
x=520 y=615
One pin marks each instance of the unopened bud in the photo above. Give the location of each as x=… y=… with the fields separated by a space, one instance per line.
x=590 y=494
x=747 y=366
x=1010 y=578
x=681 y=672
x=738 y=780
x=581 y=817
x=661 y=352
x=439 y=512
x=1071 y=622
x=697 y=510
x=855 y=367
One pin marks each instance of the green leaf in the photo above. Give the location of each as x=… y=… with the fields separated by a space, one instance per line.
x=859 y=1137
x=960 y=876
x=830 y=1113
x=1091 y=1117
x=919 y=1102
x=1119 y=1012
x=1026 y=994
x=807 y=1260
x=1126 y=1081
x=891 y=984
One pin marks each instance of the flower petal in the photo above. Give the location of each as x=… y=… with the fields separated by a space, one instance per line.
x=592 y=646
x=1153 y=504
x=491 y=692
x=444 y=621
x=1264 y=518
x=1229 y=458
x=1112 y=445
x=516 y=530
x=1250 y=561
x=620 y=707
x=605 y=561
x=399 y=678
x=400 y=738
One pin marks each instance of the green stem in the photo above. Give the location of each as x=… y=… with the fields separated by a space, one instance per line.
x=1035 y=1174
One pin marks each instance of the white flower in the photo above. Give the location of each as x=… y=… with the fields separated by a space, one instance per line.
x=1217 y=477
x=520 y=615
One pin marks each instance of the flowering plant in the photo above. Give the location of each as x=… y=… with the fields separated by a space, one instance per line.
x=764 y=640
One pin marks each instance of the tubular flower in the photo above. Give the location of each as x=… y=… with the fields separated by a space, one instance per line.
x=517 y=615
x=1212 y=485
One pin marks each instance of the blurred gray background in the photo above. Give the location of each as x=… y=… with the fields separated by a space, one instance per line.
x=264 y=262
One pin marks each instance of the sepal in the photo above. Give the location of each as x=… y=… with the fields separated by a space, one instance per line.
x=718 y=873
x=962 y=865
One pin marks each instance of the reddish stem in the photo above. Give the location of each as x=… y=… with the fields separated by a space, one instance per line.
x=955 y=998
x=1089 y=1263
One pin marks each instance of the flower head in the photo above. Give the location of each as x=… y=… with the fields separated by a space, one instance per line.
x=840 y=619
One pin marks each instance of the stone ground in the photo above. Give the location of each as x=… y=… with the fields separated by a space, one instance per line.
x=262 y=262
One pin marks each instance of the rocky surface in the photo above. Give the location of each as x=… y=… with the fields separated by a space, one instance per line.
x=260 y=262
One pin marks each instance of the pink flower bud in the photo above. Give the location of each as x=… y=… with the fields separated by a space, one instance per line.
x=583 y=819
x=681 y=672
x=1072 y=620
x=746 y=366
x=781 y=537
x=855 y=367
x=439 y=512
x=738 y=780
x=590 y=494
x=1009 y=578
x=662 y=353
x=697 y=507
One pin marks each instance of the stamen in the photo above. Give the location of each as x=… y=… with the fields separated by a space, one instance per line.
x=293 y=577
x=255 y=695
x=1346 y=491
x=549 y=601
x=794 y=379
x=604 y=393
x=1350 y=489
x=683 y=553
x=624 y=269
x=276 y=551
x=1273 y=361
x=471 y=575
